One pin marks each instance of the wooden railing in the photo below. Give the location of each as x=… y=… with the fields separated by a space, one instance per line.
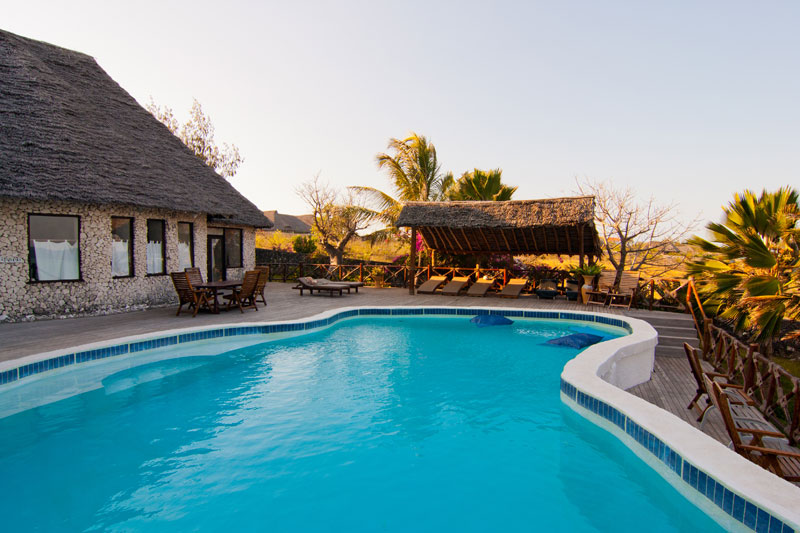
x=653 y=293
x=695 y=307
x=775 y=390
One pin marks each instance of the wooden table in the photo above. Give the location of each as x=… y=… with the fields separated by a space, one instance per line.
x=216 y=286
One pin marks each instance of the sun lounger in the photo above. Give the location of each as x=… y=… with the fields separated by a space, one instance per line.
x=547 y=289
x=573 y=289
x=310 y=285
x=762 y=445
x=455 y=286
x=513 y=288
x=352 y=284
x=430 y=286
x=480 y=287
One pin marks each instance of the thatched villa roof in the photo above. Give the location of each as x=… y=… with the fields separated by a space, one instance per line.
x=550 y=226
x=290 y=223
x=70 y=132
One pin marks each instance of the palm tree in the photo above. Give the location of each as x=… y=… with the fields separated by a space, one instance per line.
x=416 y=174
x=750 y=273
x=481 y=185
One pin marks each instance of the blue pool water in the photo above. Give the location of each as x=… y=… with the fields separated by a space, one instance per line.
x=412 y=424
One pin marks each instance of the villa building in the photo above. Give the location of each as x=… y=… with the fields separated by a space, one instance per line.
x=99 y=200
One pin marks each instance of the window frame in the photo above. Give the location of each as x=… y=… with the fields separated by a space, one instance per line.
x=163 y=245
x=30 y=251
x=241 y=246
x=191 y=240
x=131 y=244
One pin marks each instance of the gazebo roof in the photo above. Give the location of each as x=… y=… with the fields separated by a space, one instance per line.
x=549 y=226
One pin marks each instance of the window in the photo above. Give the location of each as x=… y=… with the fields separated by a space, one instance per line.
x=121 y=247
x=185 y=245
x=233 y=248
x=53 y=247
x=156 y=247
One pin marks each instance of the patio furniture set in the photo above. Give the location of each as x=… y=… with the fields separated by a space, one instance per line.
x=198 y=294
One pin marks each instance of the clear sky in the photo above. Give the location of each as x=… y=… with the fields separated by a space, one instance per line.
x=684 y=100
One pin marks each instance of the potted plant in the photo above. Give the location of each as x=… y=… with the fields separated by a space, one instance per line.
x=377 y=276
x=588 y=273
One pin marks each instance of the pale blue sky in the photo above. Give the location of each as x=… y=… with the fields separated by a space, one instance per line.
x=688 y=101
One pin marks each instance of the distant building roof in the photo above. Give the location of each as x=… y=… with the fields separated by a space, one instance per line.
x=70 y=132
x=290 y=223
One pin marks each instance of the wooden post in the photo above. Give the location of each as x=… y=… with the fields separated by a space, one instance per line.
x=412 y=261
x=652 y=291
x=361 y=272
x=580 y=245
x=433 y=258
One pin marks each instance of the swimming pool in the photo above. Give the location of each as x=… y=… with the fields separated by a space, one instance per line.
x=397 y=422
x=404 y=424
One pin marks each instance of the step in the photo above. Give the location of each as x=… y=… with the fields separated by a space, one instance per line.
x=678 y=321
x=676 y=331
x=667 y=340
x=670 y=351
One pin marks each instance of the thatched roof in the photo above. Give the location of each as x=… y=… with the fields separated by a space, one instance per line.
x=291 y=223
x=70 y=132
x=549 y=226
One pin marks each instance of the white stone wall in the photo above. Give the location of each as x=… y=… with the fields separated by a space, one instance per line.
x=98 y=291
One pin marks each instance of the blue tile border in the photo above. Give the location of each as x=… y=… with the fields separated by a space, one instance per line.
x=730 y=503
x=15 y=374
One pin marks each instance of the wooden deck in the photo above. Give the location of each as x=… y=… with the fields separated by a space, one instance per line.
x=672 y=387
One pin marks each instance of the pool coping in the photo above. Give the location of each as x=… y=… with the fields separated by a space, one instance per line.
x=591 y=384
x=735 y=492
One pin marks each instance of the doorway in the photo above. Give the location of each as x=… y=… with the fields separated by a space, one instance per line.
x=216 y=258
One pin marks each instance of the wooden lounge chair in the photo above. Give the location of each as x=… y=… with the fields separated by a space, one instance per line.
x=548 y=288
x=702 y=378
x=513 y=288
x=628 y=285
x=187 y=294
x=455 y=286
x=308 y=284
x=195 y=275
x=480 y=287
x=352 y=284
x=605 y=283
x=432 y=285
x=767 y=448
x=572 y=289
x=245 y=296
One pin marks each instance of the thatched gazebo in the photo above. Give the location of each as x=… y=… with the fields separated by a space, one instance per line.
x=563 y=226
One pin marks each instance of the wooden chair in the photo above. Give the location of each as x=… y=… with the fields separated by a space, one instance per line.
x=604 y=286
x=245 y=296
x=455 y=286
x=702 y=377
x=766 y=447
x=432 y=285
x=480 y=287
x=263 y=277
x=194 y=274
x=513 y=288
x=628 y=285
x=187 y=294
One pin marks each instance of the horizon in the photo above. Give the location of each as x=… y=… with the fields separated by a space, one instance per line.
x=688 y=104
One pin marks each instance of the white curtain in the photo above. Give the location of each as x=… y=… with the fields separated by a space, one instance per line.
x=56 y=260
x=120 y=266
x=155 y=261
x=184 y=255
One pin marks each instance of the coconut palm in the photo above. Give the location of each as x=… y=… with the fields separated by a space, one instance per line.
x=750 y=270
x=416 y=174
x=480 y=185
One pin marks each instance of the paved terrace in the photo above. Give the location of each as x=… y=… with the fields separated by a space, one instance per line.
x=671 y=387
